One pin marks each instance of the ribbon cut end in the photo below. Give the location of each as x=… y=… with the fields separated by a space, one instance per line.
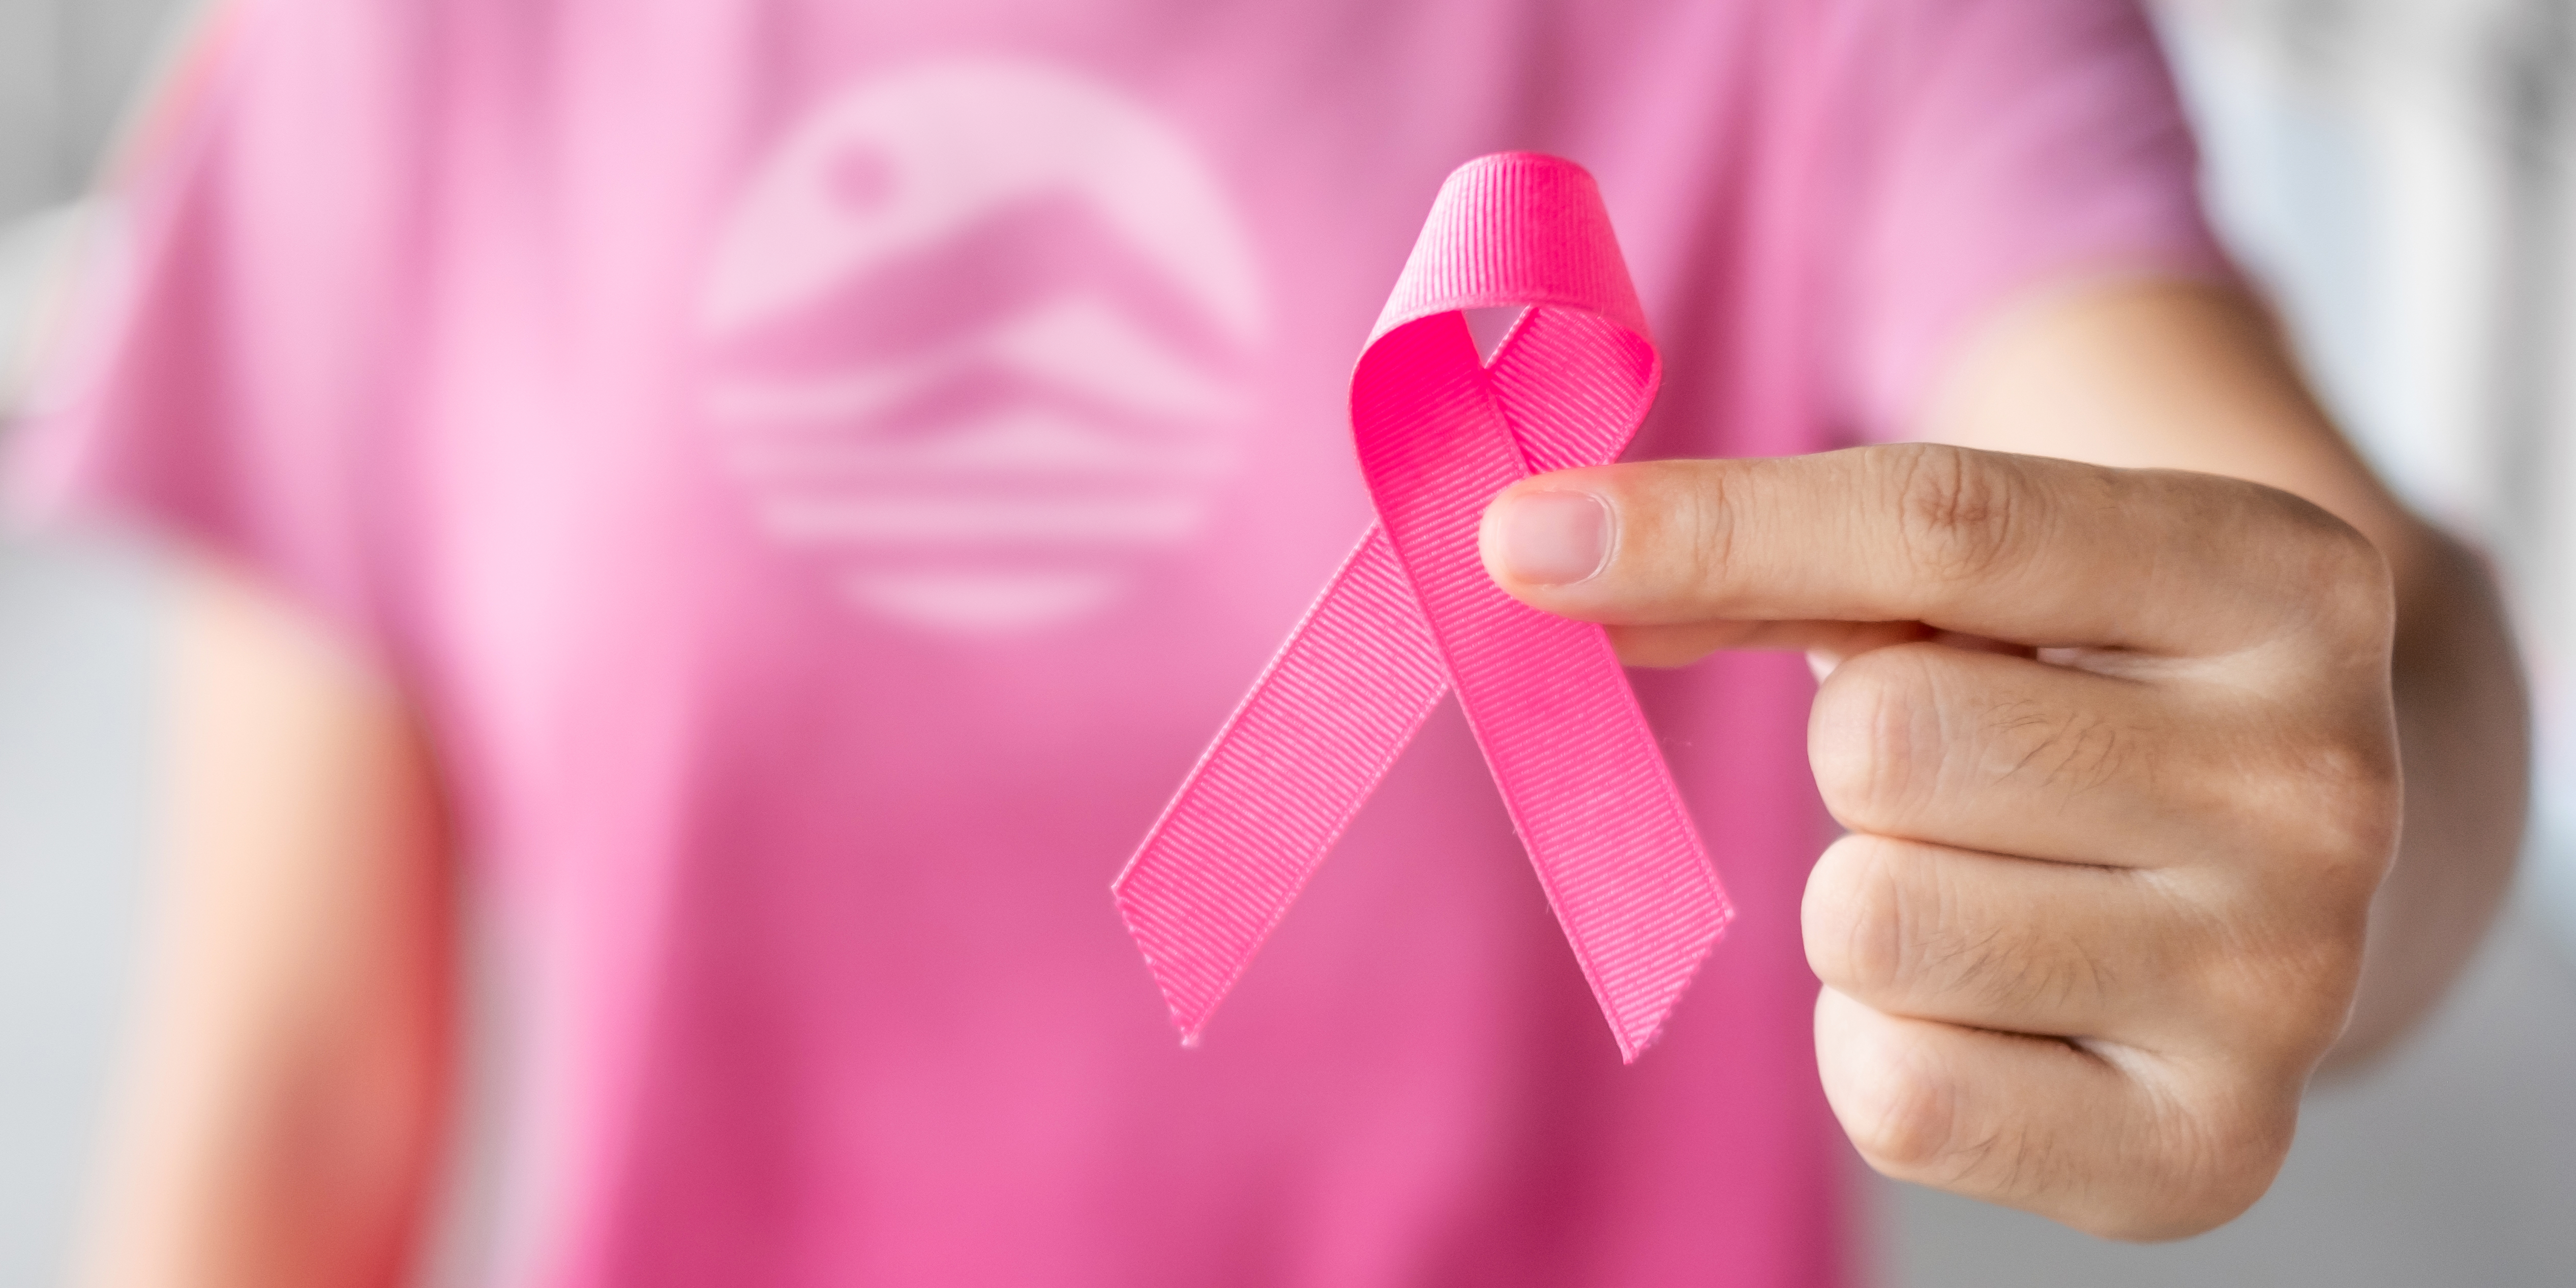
x=1638 y=1021
x=1191 y=983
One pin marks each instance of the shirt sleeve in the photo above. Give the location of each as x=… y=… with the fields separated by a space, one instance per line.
x=2023 y=145
x=224 y=374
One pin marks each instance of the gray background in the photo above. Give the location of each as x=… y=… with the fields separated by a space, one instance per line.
x=2454 y=1165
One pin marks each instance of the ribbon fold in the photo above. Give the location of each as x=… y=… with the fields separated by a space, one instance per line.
x=1412 y=614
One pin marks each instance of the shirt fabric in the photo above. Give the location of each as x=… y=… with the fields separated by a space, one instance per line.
x=823 y=470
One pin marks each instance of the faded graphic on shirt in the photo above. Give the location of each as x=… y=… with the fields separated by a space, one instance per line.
x=978 y=334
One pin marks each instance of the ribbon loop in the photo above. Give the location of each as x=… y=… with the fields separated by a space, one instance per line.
x=1412 y=613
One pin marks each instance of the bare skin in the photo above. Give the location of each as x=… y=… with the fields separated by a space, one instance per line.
x=2102 y=913
x=280 y=1117
x=2123 y=750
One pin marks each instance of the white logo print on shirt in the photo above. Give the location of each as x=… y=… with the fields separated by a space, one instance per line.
x=977 y=335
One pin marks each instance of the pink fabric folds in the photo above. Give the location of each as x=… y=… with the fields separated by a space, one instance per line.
x=1412 y=613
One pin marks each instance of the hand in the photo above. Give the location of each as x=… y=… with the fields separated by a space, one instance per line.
x=2117 y=754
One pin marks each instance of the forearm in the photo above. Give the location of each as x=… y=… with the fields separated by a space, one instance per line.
x=278 y=1120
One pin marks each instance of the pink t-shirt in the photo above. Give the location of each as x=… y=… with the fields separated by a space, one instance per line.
x=824 y=469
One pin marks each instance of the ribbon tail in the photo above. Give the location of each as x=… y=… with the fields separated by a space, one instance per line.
x=1578 y=765
x=1606 y=828
x=1319 y=729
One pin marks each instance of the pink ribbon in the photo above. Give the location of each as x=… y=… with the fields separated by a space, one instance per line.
x=1412 y=613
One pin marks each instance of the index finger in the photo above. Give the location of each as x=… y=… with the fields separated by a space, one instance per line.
x=2035 y=551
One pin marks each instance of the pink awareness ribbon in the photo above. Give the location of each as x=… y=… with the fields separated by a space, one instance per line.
x=1412 y=613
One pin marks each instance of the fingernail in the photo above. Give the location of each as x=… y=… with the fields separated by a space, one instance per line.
x=1822 y=664
x=1554 y=538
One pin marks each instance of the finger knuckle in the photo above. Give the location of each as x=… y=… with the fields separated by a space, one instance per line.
x=2283 y=984
x=2210 y=1160
x=1888 y=921
x=1855 y=917
x=1904 y=1124
x=2354 y=788
x=2356 y=594
x=2325 y=801
x=1919 y=1127
x=1874 y=739
x=2336 y=578
x=1690 y=529
x=2276 y=975
x=1959 y=511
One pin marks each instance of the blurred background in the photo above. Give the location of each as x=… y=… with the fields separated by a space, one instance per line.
x=2400 y=173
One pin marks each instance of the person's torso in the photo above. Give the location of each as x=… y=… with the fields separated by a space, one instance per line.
x=864 y=452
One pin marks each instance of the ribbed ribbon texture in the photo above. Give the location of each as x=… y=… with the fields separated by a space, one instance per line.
x=1412 y=614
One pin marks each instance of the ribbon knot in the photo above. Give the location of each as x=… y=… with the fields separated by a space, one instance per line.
x=1412 y=614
